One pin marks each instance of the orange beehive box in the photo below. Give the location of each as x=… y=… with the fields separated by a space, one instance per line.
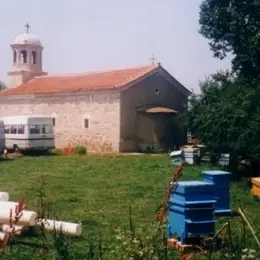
x=255 y=191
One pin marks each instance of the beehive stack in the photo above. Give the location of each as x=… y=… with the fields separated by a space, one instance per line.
x=191 y=154
x=177 y=157
x=224 y=159
x=221 y=181
x=191 y=211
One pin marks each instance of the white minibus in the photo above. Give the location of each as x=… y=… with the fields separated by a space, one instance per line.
x=29 y=132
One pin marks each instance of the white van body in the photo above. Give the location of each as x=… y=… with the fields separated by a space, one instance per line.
x=31 y=132
x=2 y=137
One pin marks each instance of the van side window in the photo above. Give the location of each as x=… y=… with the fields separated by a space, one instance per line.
x=47 y=129
x=13 y=129
x=20 y=129
x=7 y=129
x=34 y=129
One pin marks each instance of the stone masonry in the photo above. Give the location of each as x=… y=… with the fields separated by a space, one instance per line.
x=70 y=111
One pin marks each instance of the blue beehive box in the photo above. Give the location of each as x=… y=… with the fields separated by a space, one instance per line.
x=221 y=179
x=191 y=211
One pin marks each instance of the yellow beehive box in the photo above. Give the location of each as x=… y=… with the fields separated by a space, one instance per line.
x=255 y=191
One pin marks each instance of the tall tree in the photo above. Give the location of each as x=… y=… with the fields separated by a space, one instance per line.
x=233 y=27
x=226 y=116
x=2 y=85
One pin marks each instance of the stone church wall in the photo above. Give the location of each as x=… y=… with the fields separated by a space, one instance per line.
x=91 y=119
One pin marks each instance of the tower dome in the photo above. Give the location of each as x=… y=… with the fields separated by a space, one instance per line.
x=26 y=38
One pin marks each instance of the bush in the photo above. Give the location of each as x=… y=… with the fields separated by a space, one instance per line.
x=56 y=151
x=80 y=149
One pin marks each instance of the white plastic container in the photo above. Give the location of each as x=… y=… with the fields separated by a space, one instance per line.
x=28 y=218
x=8 y=204
x=6 y=228
x=72 y=229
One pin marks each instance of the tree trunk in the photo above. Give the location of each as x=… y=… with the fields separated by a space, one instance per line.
x=233 y=166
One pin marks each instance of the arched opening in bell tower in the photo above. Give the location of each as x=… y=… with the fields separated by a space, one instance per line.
x=14 y=56
x=34 y=57
x=24 y=56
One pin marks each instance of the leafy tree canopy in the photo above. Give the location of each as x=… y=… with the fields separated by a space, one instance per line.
x=233 y=26
x=226 y=115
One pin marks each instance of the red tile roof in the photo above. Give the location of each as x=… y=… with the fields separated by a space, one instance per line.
x=80 y=82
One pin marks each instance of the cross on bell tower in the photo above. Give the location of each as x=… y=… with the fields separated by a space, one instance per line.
x=27 y=26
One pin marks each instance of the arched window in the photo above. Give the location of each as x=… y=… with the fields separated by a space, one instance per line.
x=24 y=56
x=14 y=56
x=34 y=57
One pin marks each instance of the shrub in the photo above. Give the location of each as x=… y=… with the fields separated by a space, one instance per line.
x=80 y=149
x=56 y=151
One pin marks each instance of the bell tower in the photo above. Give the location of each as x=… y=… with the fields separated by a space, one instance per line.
x=27 y=59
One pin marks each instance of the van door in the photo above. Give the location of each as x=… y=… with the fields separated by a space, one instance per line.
x=40 y=136
x=34 y=136
x=48 y=135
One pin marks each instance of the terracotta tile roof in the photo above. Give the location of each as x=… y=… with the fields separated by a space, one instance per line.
x=80 y=82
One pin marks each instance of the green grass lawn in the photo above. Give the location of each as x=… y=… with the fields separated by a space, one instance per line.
x=98 y=192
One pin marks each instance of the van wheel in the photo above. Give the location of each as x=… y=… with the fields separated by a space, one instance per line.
x=16 y=148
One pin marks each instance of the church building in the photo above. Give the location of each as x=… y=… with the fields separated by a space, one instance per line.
x=120 y=110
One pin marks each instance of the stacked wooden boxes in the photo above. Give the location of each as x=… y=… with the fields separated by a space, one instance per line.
x=177 y=157
x=191 y=155
x=224 y=159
